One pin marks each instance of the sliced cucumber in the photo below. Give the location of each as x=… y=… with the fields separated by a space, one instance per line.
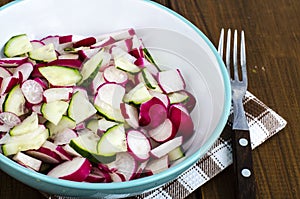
x=28 y=124
x=45 y=53
x=91 y=67
x=104 y=125
x=125 y=65
x=64 y=123
x=93 y=125
x=178 y=97
x=15 y=101
x=53 y=111
x=108 y=111
x=80 y=108
x=176 y=154
x=61 y=75
x=86 y=145
x=17 y=45
x=150 y=81
x=113 y=141
x=138 y=94
x=28 y=141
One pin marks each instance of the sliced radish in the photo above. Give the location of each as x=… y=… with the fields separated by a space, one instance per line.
x=76 y=170
x=64 y=137
x=71 y=151
x=96 y=175
x=164 y=132
x=13 y=61
x=97 y=82
x=117 y=177
x=87 y=53
x=65 y=39
x=118 y=35
x=8 y=83
x=57 y=149
x=157 y=165
x=124 y=164
x=140 y=169
x=73 y=63
x=32 y=91
x=45 y=155
x=27 y=161
x=104 y=42
x=9 y=119
x=130 y=114
x=171 y=81
x=69 y=56
x=85 y=42
x=182 y=120
x=163 y=97
x=152 y=113
x=191 y=102
x=36 y=44
x=114 y=75
x=138 y=145
x=166 y=147
x=110 y=93
x=54 y=94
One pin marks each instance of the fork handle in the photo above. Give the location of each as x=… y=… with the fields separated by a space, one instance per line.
x=242 y=163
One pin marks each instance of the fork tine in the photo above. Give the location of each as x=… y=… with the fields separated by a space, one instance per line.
x=243 y=58
x=235 y=64
x=221 y=41
x=228 y=50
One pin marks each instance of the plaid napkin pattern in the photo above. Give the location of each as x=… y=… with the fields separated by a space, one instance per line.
x=263 y=123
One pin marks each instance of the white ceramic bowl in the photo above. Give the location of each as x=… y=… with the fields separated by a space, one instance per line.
x=172 y=40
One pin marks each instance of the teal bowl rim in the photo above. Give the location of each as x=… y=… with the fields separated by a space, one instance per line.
x=165 y=174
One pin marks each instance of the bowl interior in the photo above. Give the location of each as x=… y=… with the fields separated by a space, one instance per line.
x=172 y=40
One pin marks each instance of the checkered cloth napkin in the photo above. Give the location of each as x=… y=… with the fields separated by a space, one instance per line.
x=263 y=123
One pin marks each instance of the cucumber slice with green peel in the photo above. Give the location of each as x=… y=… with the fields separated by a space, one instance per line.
x=104 y=125
x=108 y=111
x=28 y=124
x=92 y=66
x=86 y=145
x=65 y=122
x=80 y=108
x=28 y=141
x=176 y=154
x=113 y=141
x=149 y=79
x=15 y=101
x=17 y=45
x=138 y=94
x=53 y=111
x=178 y=97
x=61 y=75
x=45 y=53
x=92 y=125
x=125 y=65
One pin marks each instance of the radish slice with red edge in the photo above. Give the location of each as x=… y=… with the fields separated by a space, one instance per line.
x=124 y=164
x=85 y=42
x=164 y=132
x=65 y=39
x=182 y=120
x=75 y=170
x=13 y=61
x=46 y=155
x=8 y=83
x=152 y=113
x=157 y=165
x=171 y=81
x=32 y=91
x=27 y=161
x=64 y=137
x=9 y=119
x=73 y=63
x=166 y=147
x=114 y=75
x=138 y=145
x=4 y=73
x=23 y=71
x=96 y=175
x=54 y=94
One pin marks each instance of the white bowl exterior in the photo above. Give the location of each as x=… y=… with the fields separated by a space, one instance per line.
x=94 y=17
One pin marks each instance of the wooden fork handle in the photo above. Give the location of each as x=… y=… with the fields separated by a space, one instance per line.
x=242 y=163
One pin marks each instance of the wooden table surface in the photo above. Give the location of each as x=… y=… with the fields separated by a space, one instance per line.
x=272 y=30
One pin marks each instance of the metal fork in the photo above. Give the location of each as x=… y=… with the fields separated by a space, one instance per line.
x=241 y=144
